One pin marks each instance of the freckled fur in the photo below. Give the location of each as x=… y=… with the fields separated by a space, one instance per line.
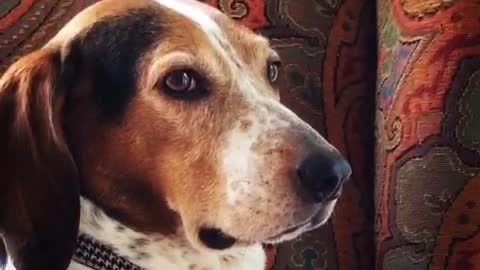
x=171 y=252
x=153 y=169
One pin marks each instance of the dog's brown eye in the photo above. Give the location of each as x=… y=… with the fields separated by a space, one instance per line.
x=180 y=81
x=184 y=84
x=273 y=71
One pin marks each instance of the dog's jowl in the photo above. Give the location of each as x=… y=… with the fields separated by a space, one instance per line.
x=150 y=134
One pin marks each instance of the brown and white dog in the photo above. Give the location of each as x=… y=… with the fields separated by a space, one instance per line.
x=157 y=120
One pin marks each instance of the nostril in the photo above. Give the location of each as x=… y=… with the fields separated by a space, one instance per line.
x=329 y=183
x=322 y=175
x=301 y=174
x=314 y=184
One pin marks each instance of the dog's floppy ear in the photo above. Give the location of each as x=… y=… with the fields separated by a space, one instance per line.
x=3 y=255
x=39 y=194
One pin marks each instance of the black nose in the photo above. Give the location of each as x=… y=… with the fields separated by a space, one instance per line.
x=322 y=175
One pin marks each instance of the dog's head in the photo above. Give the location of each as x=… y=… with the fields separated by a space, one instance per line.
x=166 y=114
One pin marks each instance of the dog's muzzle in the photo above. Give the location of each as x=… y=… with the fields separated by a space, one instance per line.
x=322 y=175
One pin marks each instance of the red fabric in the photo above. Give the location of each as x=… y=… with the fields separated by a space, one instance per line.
x=13 y=16
x=250 y=13
x=329 y=54
x=334 y=92
x=428 y=154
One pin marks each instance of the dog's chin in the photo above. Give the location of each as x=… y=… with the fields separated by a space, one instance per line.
x=319 y=219
x=217 y=239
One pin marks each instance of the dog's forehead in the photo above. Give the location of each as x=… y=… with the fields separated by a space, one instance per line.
x=204 y=16
x=215 y=24
x=223 y=32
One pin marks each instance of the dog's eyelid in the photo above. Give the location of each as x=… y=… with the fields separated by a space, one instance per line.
x=274 y=57
x=167 y=62
x=277 y=63
x=198 y=86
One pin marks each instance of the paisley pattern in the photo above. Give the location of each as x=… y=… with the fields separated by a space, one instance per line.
x=251 y=13
x=428 y=184
x=330 y=57
x=330 y=81
x=420 y=8
x=27 y=24
x=427 y=141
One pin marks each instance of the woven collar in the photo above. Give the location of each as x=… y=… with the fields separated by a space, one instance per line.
x=100 y=257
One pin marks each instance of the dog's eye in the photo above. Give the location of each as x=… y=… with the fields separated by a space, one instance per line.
x=273 y=70
x=180 y=81
x=184 y=84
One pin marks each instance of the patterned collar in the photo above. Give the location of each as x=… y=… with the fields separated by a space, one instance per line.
x=100 y=257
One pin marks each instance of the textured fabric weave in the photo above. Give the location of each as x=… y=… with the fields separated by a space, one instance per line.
x=329 y=51
x=427 y=145
x=428 y=115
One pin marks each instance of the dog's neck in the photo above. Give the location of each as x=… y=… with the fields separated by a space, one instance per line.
x=156 y=252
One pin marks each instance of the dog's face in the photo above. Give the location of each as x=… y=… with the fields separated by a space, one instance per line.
x=172 y=116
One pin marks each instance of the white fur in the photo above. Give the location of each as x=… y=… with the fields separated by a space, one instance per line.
x=218 y=39
x=249 y=174
x=212 y=30
x=240 y=163
x=9 y=264
x=76 y=266
x=236 y=160
x=164 y=252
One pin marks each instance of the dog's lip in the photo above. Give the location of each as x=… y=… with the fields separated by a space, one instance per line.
x=312 y=222
x=337 y=194
x=291 y=230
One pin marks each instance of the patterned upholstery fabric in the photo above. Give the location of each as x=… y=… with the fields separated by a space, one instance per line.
x=427 y=133
x=26 y=25
x=428 y=148
x=329 y=50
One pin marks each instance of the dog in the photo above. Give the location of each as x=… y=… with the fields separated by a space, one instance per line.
x=155 y=127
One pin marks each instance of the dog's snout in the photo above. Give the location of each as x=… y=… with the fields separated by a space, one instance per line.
x=323 y=174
